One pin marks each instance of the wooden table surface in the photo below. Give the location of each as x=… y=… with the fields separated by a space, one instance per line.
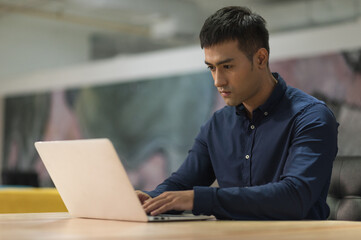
x=62 y=226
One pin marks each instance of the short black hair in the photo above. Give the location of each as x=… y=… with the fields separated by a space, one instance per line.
x=236 y=23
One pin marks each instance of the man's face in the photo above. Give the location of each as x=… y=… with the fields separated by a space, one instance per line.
x=233 y=73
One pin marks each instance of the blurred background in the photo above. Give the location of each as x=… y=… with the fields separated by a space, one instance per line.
x=133 y=71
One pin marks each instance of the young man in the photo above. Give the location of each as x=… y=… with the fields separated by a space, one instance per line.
x=271 y=149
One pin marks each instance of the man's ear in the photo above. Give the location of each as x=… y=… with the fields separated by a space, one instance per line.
x=261 y=58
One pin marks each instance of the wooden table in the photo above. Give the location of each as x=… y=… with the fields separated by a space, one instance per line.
x=62 y=226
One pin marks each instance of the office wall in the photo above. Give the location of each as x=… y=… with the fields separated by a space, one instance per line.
x=294 y=54
x=29 y=44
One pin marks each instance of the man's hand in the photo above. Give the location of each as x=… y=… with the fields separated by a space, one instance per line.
x=142 y=196
x=178 y=200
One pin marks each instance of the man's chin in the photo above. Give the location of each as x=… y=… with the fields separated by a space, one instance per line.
x=231 y=103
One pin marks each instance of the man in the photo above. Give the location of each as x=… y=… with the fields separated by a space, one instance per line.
x=271 y=149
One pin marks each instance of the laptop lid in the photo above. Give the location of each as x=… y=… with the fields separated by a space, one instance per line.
x=91 y=179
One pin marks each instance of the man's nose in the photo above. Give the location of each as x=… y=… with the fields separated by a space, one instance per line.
x=219 y=79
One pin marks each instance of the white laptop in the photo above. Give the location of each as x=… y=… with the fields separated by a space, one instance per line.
x=93 y=183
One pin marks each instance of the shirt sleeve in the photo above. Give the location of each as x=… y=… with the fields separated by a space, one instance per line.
x=196 y=170
x=305 y=177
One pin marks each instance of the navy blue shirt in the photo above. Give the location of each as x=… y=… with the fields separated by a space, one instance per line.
x=276 y=165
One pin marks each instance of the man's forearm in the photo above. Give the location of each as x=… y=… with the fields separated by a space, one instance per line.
x=280 y=200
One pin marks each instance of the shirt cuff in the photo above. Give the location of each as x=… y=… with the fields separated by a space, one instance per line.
x=203 y=200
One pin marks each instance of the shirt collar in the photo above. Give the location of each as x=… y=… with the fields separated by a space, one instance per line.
x=273 y=99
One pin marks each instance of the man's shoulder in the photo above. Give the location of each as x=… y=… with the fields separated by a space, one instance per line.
x=220 y=117
x=224 y=113
x=301 y=103
x=299 y=100
x=226 y=110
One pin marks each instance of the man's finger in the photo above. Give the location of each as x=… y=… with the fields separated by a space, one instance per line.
x=162 y=209
x=182 y=200
x=155 y=204
x=153 y=200
x=142 y=196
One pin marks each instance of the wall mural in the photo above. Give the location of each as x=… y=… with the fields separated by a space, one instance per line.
x=153 y=122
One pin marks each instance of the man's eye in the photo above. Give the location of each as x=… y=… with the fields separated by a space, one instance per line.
x=227 y=66
x=211 y=68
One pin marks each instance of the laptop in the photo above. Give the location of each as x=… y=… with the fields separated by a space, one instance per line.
x=93 y=183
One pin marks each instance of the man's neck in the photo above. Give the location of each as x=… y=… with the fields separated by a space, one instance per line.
x=266 y=91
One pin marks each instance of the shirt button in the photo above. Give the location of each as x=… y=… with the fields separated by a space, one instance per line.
x=247 y=156
x=265 y=113
x=252 y=127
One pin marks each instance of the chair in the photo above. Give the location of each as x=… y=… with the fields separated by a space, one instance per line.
x=344 y=196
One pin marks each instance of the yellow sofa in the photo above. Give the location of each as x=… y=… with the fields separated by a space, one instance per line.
x=30 y=200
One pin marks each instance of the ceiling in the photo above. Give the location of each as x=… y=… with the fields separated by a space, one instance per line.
x=131 y=26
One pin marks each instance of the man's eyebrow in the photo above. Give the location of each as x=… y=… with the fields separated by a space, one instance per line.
x=220 y=62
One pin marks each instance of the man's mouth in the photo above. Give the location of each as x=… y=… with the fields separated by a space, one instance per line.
x=225 y=93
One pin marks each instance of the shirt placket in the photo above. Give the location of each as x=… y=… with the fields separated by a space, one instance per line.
x=251 y=133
